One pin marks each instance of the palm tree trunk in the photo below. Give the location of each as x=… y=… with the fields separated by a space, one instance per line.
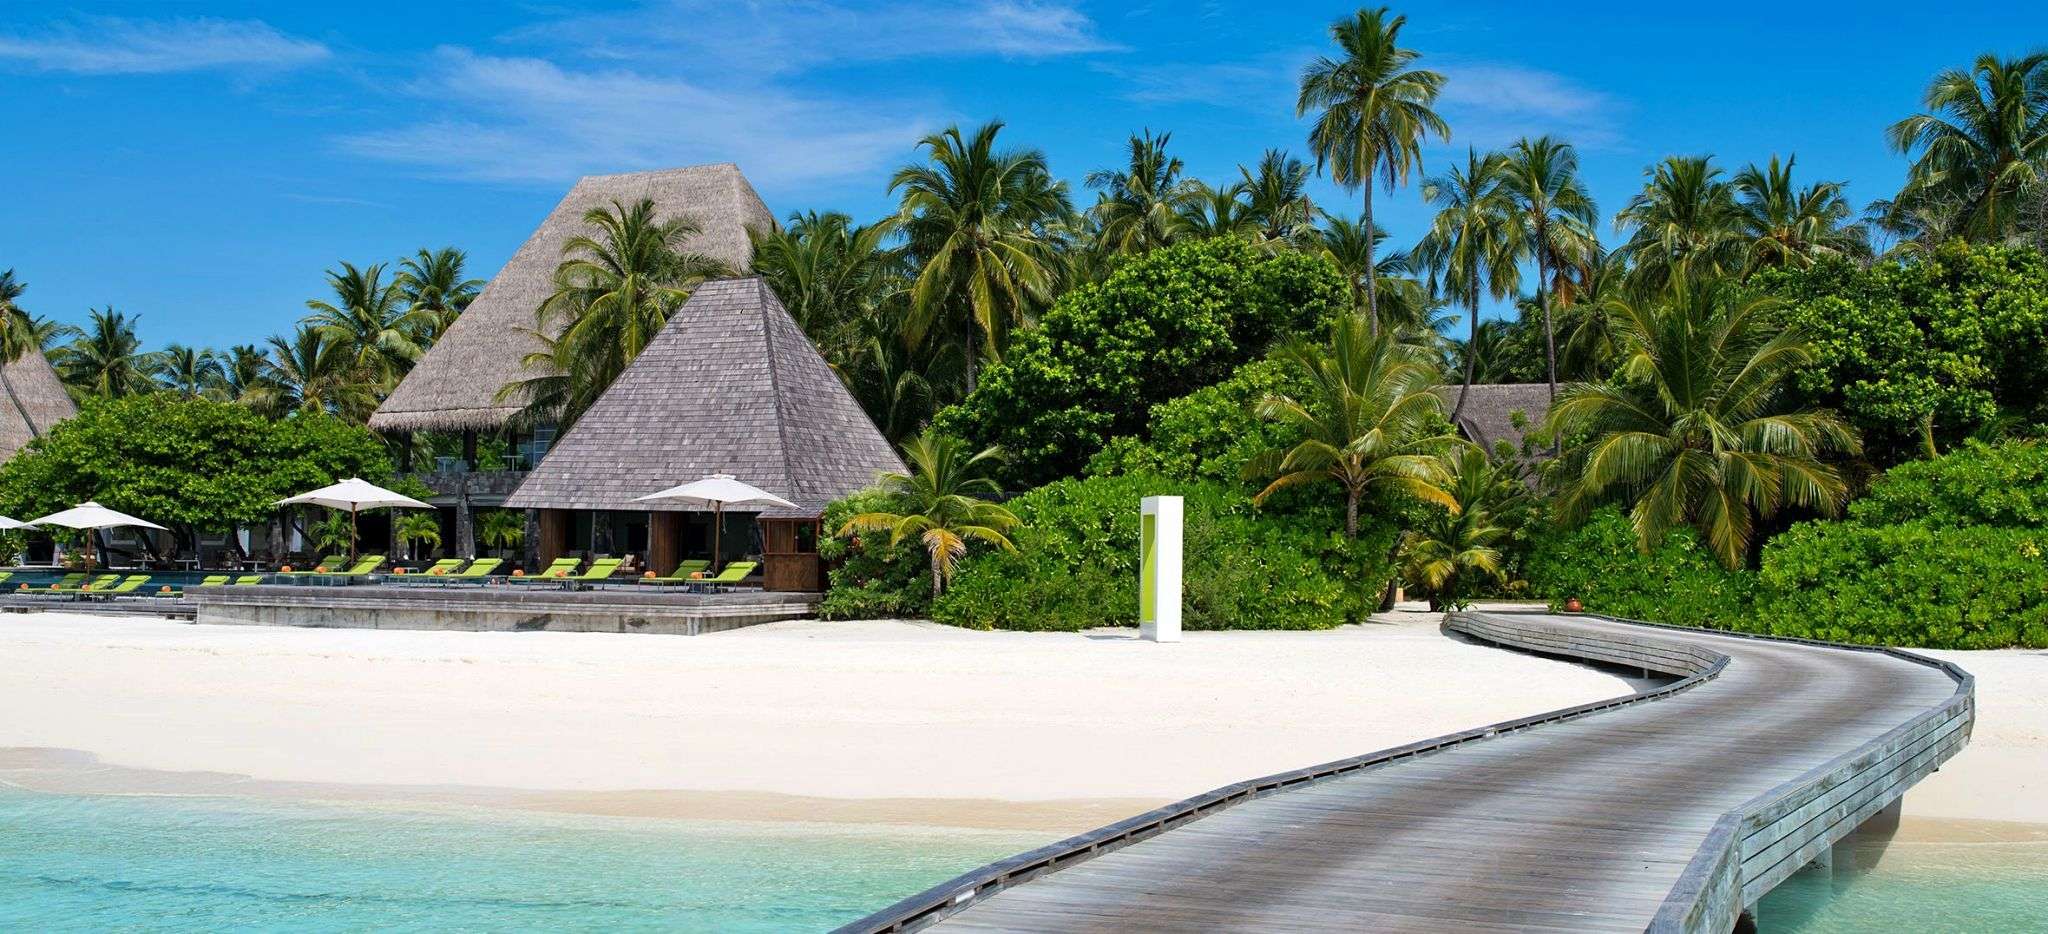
x=971 y=353
x=938 y=580
x=1549 y=334
x=1350 y=512
x=1372 y=273
x=1471 y=356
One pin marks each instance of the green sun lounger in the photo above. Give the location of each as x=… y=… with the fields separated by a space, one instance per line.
x=733 y=574
x=554 y=573
x=365 y=567
x=600 y=570
x=4 y=575
x=331 y=562
x=681 y=575
x=213 y=580
x=478 y=569
x=129 y=586
x=474 y=574
x=441 y=567
x=248 y=580
x=67 y=583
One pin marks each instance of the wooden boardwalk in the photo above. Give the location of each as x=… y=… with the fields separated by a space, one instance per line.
x=1670 y=810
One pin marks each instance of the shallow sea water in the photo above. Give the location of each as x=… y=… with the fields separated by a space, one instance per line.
x=1921 y=887
x=153 y=863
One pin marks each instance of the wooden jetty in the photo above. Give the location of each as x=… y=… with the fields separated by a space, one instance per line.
x=1673 y=809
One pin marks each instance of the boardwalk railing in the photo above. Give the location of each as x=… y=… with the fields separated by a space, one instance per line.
x=1749 y=851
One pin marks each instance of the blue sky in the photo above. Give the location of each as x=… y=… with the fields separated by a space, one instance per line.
x=201 y=164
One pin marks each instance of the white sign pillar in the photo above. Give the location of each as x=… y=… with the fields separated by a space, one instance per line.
x=1159 y=569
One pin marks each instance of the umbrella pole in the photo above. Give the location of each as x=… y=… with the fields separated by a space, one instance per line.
x=717 y=537
x=351 y=535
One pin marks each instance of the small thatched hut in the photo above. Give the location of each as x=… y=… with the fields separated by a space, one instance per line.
x=1497 y=412
x=730 y=385
x=455 y=386
x=32 y=399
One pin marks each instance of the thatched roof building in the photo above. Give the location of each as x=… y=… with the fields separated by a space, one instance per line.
x=1496 y=412
x=38 y=402
x=730 y=385
x=455 y=386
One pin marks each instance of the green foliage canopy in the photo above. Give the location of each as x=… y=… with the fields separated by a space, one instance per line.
x=190 y=464
x=1161 y=326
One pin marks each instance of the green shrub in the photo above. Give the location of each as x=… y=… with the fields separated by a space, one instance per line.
x=1208 y=434
x=1677 y=582
x=1161 y=326
x=1975 y=587
x=1979 y=484
x=1076 y=563
x=870 y=578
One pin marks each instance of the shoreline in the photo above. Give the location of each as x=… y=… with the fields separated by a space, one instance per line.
x=72 y=772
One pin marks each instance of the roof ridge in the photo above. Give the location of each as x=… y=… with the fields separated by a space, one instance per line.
x=762 y=298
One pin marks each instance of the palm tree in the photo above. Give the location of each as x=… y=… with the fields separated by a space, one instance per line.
x=940 y=503
x=1405 y=304
x=978 y=223
x=416 y=529
x=187 y=371
x=313 y=372
x=370 y=317
x=1698 y=425
x=246 y=377
x=1451 y=545
x=1556 y=215
x=1216 y=212
x=1375 y=112
x=1277 y=192
x=104 y=359
x=900 y=382
x=1364 y=424
x=614 y=290
x=831 y=274
x=1141 y=205
x=1684 y=216
x=1983 y=144
x=1474 y=244
x=1790 y=226
x=431 y=283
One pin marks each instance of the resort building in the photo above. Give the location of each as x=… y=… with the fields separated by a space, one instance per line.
x=730 y=385
x=455 y=387
x=1497 y=413
x=35 y=401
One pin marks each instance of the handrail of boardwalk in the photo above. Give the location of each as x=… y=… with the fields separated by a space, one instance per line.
x=1709 y=893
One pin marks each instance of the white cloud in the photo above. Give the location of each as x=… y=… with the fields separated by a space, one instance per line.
x=774 y=36
x=529 y=119
x=1491 y=104
x=110 y=46
x=1266 y=85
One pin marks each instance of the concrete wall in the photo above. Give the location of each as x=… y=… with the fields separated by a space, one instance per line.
x=494 y=609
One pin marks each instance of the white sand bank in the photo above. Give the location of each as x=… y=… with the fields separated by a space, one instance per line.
x=837 y=710
x=2003 y=773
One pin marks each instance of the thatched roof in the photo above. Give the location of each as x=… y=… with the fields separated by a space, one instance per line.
x=730 y=385
x=455 y=385
x=1491 y=409
x=40 y=393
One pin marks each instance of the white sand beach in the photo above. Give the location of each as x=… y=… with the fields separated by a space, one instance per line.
x=870 y=721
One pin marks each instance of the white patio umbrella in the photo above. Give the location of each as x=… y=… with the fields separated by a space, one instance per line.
x=91 y=516
x=717 y=491
x=9 y=525
x=353 y=494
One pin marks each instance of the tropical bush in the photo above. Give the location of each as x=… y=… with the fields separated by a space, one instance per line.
x=1163 y=325
x=1211 y=433
x=1076 y=564
x=1679 y=581
x=190 y=464
x=1975 y=587
x=1952 y=339
x=872 y=578
x=1978 y=484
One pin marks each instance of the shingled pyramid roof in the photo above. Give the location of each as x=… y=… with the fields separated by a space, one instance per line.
x=730 y=385
x=455 y=385
x=40 y=395
x=1493 y=409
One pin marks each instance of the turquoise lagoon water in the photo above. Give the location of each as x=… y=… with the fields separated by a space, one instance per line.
x=71 y=862
x=1920 y=887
